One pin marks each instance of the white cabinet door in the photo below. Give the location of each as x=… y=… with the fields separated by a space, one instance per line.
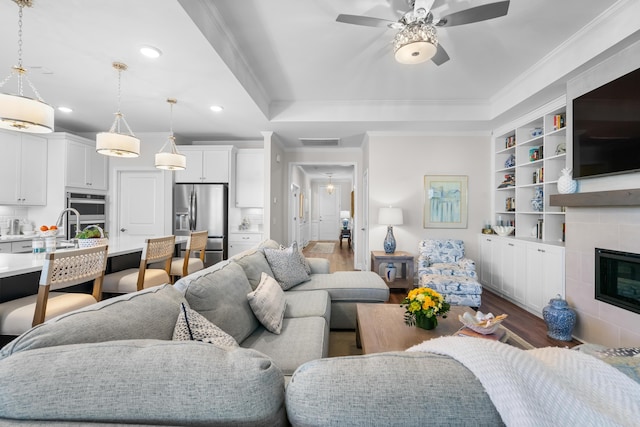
x=514 y=258
x=24 y=170
x=205 y=164
x=85 y=167
x=239 y=242
x=545 y=275
x=488 y=266
x=250 y=178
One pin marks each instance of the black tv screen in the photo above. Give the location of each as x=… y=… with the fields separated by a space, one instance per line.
x=606 y=128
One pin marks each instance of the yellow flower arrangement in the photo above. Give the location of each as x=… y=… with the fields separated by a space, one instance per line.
x=423 y=303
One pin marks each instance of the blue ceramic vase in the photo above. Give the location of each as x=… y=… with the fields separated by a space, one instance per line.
x=389 y=241
x=560 y=319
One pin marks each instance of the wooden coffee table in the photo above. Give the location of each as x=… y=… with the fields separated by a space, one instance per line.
x=381 y=327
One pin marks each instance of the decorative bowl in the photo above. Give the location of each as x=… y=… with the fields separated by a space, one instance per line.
x=484 y=324
x=503 y=230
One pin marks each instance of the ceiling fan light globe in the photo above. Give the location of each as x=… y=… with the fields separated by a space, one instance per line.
x=415 y=53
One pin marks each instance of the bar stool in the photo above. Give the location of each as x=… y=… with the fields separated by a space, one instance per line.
x=156 y=250
x=181 y=267
x=60 y=270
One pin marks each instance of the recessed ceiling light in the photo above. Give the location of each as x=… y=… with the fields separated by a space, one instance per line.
x=217 y=108
x=65 y=109
x=150 y=51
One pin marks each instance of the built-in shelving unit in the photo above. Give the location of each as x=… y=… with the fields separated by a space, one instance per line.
x=528 y=159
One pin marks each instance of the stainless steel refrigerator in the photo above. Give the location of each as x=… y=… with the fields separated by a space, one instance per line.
x=203 y=207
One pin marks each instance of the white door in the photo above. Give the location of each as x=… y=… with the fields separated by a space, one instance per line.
x=364 y=252
x=294 y=210
x=140 y=203
x=328 y=215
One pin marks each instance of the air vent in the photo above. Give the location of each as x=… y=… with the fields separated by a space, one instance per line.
x=320 y=142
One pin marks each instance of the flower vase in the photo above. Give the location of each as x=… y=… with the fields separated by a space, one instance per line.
x=426 y=322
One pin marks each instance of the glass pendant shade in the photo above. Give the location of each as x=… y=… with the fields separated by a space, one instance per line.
x=415 y=43
x=18 y=112
x=117 y=144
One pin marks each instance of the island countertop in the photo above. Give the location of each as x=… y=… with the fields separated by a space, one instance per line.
x=16 y=264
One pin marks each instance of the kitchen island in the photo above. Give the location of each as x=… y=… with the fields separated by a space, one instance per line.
x=20 y=273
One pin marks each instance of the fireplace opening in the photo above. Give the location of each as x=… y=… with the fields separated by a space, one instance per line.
x=618 y=279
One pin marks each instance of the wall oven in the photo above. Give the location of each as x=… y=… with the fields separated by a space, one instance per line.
x=92 y=209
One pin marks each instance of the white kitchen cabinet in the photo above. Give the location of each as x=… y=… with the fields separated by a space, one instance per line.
x=86 y=168
x=24 y=170
x=242 y=241
x=205 y=164
x=250 y=178
x=5 y=248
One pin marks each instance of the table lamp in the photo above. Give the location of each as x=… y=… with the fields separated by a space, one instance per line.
x=344 y=219
x=390 y=216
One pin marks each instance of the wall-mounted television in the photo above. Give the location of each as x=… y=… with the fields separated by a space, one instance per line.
x=606 y=128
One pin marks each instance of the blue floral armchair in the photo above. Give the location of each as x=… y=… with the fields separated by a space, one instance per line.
x=443 y=267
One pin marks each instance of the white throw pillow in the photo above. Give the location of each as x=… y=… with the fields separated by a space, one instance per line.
x=268 y=303
x=192 y=326
x=287 y=266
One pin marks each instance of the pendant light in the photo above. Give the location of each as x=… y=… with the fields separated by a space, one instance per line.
x=171 y=160
x=330 y=186
x=114 y=143
x=18 y=112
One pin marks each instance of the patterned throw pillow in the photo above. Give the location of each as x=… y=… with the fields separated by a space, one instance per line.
x=287 y=267
x=192 y=326
x=268 y=303
x=303 y=260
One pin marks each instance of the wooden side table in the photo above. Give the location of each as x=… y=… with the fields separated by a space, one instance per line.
x=405 y=281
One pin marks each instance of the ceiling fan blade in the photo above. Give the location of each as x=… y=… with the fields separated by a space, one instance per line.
x=475 y=14
x=441 y=56
x=364 y=20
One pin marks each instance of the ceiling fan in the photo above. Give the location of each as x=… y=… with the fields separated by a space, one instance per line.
x=417 y=39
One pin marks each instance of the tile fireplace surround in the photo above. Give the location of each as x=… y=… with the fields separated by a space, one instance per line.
x=615 y=228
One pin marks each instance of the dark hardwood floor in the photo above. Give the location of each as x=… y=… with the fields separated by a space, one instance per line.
x=527 y=325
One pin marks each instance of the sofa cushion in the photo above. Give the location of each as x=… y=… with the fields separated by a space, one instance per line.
x=221 y=297
x=287 y=267
x=183 y=283
x=360 y=286
x=123 y=317
x=302 y=339
x=268 y=303
x=308 y=304
x=441 y=392
x=142 y=382
x=192 y=326
x=254 y=263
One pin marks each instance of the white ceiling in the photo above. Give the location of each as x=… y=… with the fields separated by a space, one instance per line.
x=287 y=66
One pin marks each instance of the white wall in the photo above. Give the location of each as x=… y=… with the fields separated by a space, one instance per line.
x=397 y=166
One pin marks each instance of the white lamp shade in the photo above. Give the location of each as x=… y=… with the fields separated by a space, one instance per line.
x=415 y=53
x=171 y=161
x=345 y=214
x=117 y=144
x=390 y=216
x=23 y=114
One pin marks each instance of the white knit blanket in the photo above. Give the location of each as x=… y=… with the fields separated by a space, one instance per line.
x=547 y=386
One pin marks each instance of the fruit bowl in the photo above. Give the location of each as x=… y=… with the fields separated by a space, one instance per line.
x=49 y=233
x=503 y=230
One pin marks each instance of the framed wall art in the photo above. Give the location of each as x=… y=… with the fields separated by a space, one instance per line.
x=445 y=201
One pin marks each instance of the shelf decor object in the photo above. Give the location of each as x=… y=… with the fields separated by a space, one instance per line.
x=171 y=160
x=566 y=184
x=560 y=319
x=445 y=201
x=390 y=216
x=114 y=143
x=18 y=112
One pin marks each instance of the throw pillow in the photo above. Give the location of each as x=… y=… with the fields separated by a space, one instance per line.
x=287 y=266
x=192 y=326
x=303 y=259
x=268 y=303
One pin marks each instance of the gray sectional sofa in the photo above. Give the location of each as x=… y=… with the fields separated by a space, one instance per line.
x=116 y=362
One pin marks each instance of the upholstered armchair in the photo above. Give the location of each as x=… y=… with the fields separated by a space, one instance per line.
x=443 y=267
x=446 y=257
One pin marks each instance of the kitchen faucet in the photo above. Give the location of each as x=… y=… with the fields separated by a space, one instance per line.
x=60 y=218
